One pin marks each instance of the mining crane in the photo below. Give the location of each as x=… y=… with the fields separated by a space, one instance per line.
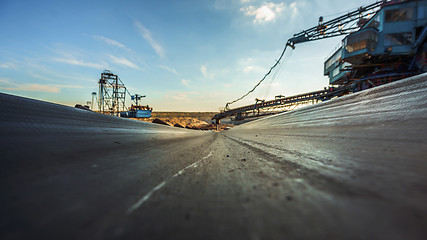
x=385 y=42
x=341 y=25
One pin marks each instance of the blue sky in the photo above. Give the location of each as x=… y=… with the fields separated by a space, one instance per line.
x=184 y=55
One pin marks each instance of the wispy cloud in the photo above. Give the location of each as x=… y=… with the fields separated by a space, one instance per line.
x=146 y=34
x=8 y=65
x=74 y=56
x=206 y=73
x=34 y=87
x=185 y=82
x=124 y=62
x=35 y=75
x=182 y=97
x=109 y=41
x=272 y=85
x=294 y=9
x=265 y=13
x=42 y=72
x=79 y=62
x=169 y=69
x=255 y=69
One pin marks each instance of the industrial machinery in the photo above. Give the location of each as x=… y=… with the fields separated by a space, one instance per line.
x=93 y=100
x=385 y=41
x=280 y=104
x=136 y=110
x=112 y=98
x=389 y=46
x=112 y=94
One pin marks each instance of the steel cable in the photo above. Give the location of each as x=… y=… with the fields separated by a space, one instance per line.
x=265 y=76
x=277 y=74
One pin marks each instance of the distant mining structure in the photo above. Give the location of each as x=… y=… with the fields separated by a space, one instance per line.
x=112 y=94
x=112 y=98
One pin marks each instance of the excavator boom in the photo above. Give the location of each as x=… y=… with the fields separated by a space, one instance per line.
x=342 y=25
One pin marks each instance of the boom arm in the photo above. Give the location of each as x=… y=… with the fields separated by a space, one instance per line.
x=342 y=25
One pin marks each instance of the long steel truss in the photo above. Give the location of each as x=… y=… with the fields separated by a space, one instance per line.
x=280 y=104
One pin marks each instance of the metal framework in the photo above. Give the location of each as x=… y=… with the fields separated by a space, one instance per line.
x=137 y=98
x=93 y=100
x=342 y=25
x=280 y=104
x=112 y=94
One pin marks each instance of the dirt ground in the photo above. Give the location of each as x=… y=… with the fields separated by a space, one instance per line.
x=192 y=120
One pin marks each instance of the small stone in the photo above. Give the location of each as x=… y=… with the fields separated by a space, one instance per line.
x=243 y=160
